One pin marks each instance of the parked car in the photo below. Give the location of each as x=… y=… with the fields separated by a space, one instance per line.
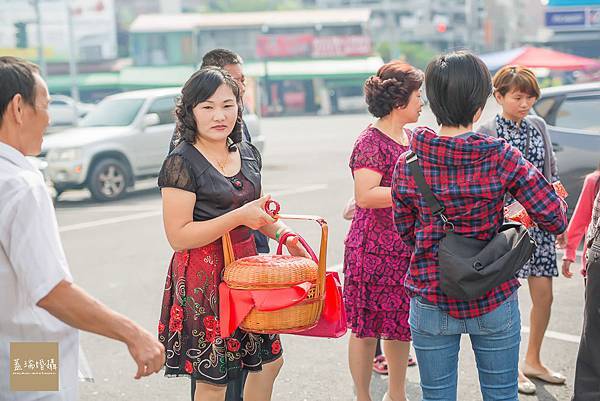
x=65 y=111
x=124 y=138
x=42 y=165
x=572 y=113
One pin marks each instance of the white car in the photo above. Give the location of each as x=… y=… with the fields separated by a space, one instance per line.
x=124 y=138
x=65 y=111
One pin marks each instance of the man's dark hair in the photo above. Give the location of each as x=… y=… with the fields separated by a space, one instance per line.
x=457 y=85
x=16 y=77
x=200 y=87
x=220 y=58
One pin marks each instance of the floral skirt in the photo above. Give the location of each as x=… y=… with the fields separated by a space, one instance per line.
x=377 y=304
x=189 y=319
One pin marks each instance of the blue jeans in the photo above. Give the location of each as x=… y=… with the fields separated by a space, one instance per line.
x=495 y=339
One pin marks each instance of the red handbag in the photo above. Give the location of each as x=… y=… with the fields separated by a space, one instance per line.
x=332 y=323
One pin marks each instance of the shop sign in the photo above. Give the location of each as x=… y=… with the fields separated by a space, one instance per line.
x=308 y=45
x=339 y=46
x=562 y=18
x=273 y=46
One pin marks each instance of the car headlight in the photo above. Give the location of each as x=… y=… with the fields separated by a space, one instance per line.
x=67 y=154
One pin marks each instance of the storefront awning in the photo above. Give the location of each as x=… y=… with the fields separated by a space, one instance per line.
x=99 y=80
x=315 y=68
x=144 y=77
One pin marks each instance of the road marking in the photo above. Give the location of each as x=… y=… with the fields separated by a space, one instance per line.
x=556 y=335
x=153 y=213
x=113 y=220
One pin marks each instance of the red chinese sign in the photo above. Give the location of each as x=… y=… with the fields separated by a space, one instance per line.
x=284 y=45
x=336 y=46
x=308 y=45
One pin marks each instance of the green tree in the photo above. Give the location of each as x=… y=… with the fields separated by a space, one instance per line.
x=417 y=54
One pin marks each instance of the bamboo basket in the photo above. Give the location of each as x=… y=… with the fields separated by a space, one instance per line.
x=280 y=271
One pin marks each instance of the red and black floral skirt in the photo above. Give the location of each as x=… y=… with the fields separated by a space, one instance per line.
x=189 y=319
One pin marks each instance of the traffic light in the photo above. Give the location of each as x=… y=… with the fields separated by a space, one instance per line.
x=21 y=35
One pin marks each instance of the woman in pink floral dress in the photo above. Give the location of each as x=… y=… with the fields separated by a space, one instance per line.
x=376 y=260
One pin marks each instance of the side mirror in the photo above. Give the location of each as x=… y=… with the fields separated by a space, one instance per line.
x=150 y=120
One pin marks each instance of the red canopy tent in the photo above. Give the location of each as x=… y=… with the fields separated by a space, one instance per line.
x=535 y=57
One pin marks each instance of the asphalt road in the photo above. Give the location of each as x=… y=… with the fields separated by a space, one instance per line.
x=118 y=252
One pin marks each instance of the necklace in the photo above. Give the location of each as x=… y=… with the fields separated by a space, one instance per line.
x=235 y=181
x=222 y=164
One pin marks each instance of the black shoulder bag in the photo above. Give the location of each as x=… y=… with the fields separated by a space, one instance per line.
x=469 y=267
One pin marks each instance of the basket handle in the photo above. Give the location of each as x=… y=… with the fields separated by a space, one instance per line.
x=285 y=236
x=228 y=254
x=272 y=208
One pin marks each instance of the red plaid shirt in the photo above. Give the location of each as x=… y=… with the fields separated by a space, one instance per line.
x=470 y=177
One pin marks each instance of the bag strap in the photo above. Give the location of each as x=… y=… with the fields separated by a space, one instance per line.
x=436 y=208
x=528 y=142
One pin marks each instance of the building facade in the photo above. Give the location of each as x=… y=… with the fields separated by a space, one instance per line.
x=574 y=26
x=302 y=61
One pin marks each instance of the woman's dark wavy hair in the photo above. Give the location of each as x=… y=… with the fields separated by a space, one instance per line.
x=199 y=88
x=391 y=87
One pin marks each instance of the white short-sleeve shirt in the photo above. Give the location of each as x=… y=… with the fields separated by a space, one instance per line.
x=32 y=263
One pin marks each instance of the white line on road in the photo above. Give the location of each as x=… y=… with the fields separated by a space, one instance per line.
x=143 y=215
x=556 y=335
x=113 y=220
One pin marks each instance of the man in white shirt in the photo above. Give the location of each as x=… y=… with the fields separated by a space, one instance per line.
x=38 y=299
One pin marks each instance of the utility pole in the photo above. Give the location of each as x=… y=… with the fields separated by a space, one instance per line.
x=40 y=44
x=72 y=56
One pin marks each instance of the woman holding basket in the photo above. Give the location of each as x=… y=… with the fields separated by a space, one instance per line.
x=211 y=185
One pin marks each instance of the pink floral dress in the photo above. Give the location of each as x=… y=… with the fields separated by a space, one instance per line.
x=375 y=259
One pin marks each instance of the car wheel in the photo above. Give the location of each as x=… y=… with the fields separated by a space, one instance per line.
x=108 y=180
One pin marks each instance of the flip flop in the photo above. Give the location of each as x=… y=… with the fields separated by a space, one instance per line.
x=411 y=361
x=380 y=365
x=551 y=377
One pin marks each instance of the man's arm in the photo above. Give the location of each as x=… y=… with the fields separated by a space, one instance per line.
x=72 y=305
x=32 y=244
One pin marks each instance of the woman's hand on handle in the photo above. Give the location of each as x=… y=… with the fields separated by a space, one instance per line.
x=295 y=247
x=253 y=213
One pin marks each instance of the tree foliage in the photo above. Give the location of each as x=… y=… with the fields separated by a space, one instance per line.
x=416 y=54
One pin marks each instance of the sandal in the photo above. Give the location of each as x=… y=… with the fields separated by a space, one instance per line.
x=526 y=387
x=411 y=361
x=380 y=365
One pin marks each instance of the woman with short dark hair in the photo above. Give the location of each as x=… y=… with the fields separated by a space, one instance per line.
x=210 y=185
x=469 y=175
x=376 y=259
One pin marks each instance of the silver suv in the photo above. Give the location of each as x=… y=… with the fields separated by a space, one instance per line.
x=126 y=137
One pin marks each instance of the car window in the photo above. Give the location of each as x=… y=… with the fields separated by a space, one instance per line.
x=165 y=108
x=543 y=106
x=113 y=113
x=579 y=113
x=55 y=102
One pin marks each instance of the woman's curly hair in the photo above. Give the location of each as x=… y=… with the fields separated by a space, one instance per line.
x=391 y=87
x=199 y=88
